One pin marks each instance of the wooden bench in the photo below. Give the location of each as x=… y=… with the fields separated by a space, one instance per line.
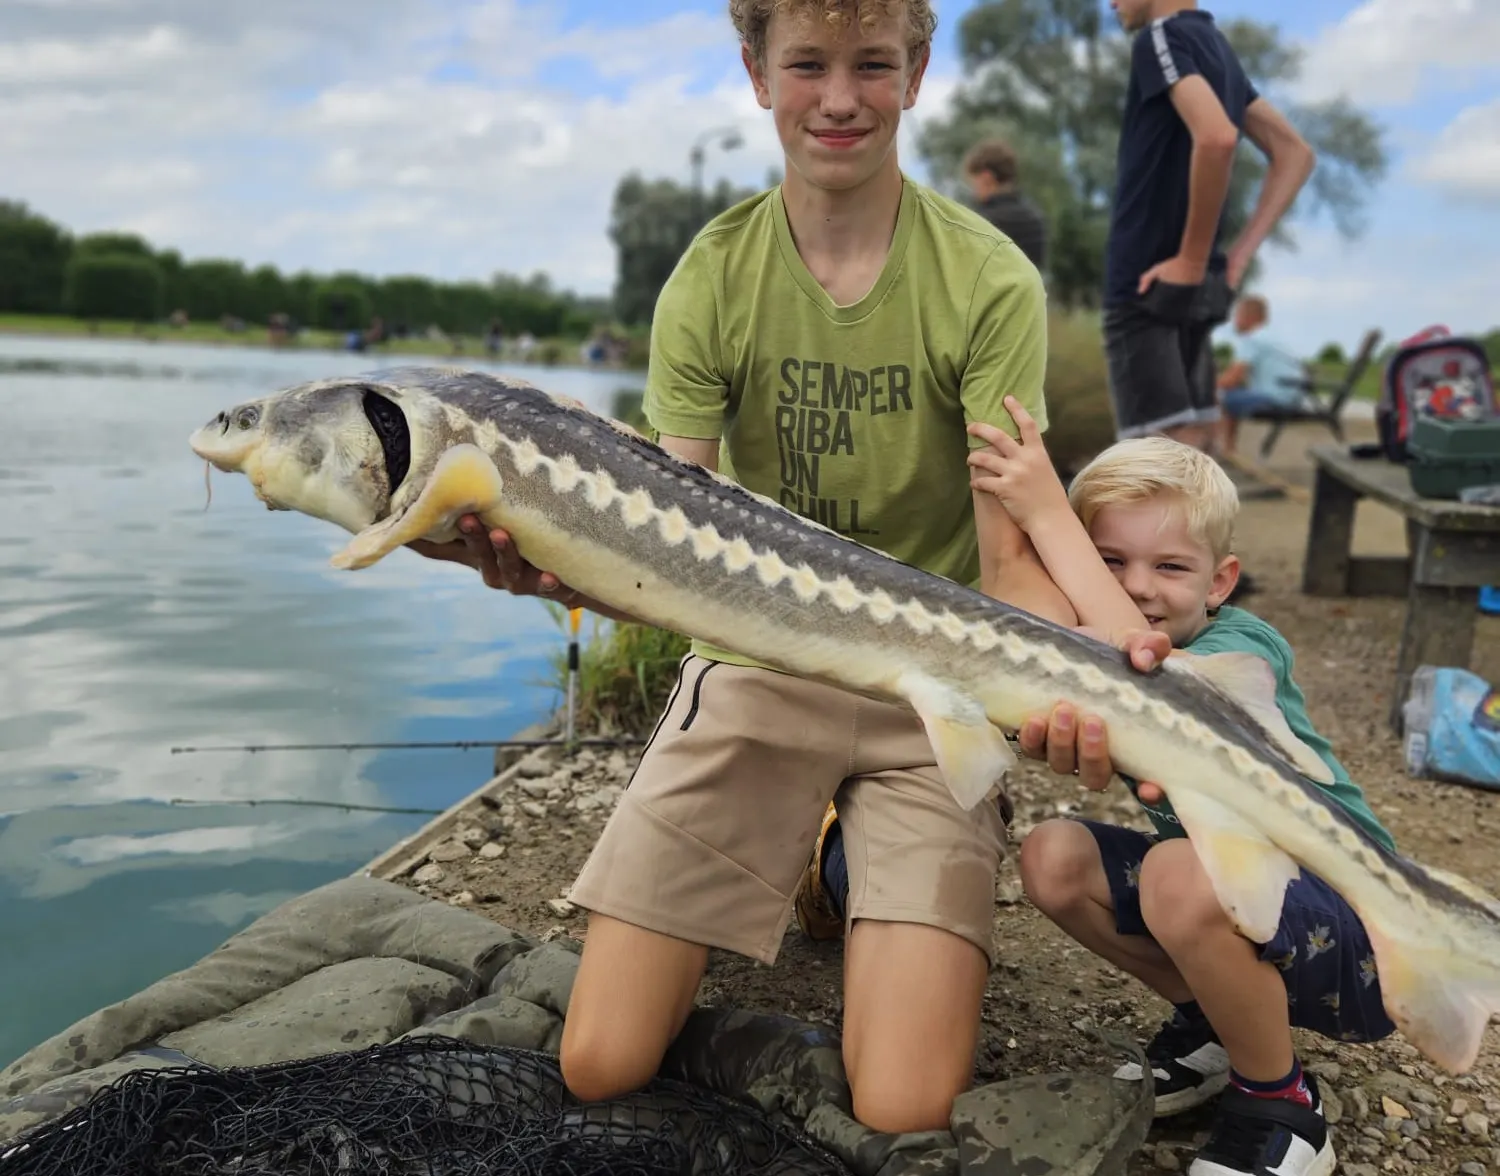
x=1454 y=550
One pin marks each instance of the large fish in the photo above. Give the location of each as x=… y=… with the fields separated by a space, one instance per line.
x=400 y=455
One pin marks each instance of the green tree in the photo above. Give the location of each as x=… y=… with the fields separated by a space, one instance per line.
x=34 y=255
x=1051 y=77
x=652 y=222
x=114 y=286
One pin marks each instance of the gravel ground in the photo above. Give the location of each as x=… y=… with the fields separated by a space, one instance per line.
x=515 y=857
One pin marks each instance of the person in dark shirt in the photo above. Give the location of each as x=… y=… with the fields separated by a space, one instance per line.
x=990 y=167
x=1168 y=281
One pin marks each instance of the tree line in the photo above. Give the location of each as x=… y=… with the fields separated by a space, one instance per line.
x=46 y=270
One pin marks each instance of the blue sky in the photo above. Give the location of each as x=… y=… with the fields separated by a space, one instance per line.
x=463 y=137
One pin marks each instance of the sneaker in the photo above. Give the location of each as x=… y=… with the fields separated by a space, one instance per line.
x=1187 y=1062
x=1266 y=1137
x=811 y=904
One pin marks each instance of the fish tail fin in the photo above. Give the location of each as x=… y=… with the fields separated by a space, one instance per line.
x=1440 y=984
x=464 y=481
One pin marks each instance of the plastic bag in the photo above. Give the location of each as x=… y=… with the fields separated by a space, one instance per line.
x=1452 y=727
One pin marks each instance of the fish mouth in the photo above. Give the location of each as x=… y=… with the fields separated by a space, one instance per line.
x=393 y=433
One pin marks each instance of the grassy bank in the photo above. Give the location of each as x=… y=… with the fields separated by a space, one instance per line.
x=547 y=352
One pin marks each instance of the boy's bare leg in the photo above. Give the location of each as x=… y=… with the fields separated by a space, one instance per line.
x=1063 y=875
x=632 y=994
x=912 y=1001
x=1243 y=997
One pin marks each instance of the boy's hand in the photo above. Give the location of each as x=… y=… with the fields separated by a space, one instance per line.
x=1018 y=473
x=1077 y=745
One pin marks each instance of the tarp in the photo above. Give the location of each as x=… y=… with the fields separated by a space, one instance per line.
x=363 y=962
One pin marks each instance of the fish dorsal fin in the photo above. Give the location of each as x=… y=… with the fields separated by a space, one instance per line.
x=1251 y=682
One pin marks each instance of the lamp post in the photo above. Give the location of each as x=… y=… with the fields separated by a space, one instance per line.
x=728 y=138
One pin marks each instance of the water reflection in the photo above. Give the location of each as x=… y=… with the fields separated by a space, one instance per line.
x=133 y=621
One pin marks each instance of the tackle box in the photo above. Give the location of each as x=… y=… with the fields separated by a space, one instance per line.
x=1445 y=457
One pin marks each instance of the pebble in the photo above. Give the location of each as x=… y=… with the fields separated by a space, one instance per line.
x=534 y=808
x=1392 y=1108
x=429 y=875
x=1166 y=1159
x=1426 y=1097
x=1460 y=1108
x=463 y=898
x=1361 y=1102
x=537 y=787
x=1409 y=1128
x=474 y=836
x=1472 y=1168
x=449 y=851
x=538 y=763
x=560 y=907
x=1361 y=1170
x=491 y=850
x=1415 y=1151
x=1476 y=1125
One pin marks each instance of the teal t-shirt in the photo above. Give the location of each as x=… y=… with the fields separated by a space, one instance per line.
x=1235 y=630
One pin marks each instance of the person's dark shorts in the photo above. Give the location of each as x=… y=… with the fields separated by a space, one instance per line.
x=1159 y=354
x=1321 y=948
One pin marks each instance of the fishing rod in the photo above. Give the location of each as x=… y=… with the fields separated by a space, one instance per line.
x=453 y=744
x=333 y=804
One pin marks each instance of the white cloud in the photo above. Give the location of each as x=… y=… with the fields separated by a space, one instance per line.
x=1465 y=159
x=371 y=135
x=1332 y=290
x=1387 y=52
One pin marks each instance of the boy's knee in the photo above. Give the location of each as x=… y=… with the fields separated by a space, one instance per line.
x=1178 y=902
x=1056 y=860
x=598 y=1064
x=918 y=1097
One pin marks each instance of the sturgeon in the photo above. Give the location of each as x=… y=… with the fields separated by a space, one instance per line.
x=400 y=455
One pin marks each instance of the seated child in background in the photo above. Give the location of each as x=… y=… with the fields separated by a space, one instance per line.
x=1143 y=538
x=1261 y=376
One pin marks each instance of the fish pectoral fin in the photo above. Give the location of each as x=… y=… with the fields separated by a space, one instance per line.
x=1251 y=682
x=1248 y=872
x=1440 y=999
x=464 y=481
x=971 y=752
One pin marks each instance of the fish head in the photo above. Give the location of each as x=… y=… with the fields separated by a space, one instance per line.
x=332 y=449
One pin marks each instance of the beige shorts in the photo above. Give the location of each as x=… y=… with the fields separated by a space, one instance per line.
x=719 y=821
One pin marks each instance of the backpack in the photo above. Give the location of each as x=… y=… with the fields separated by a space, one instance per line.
x=1433 y=373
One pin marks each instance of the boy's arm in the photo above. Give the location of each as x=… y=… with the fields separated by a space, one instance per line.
x=1170 y=66
x=1291 y=162
x=1020 y=479
x=1007 y=330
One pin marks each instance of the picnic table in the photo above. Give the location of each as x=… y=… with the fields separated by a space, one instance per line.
x=1454 y=550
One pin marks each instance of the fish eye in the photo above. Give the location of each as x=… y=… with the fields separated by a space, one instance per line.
x=246 y=418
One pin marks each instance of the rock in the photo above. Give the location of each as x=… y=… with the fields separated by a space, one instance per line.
x=1008 y=892
x=534 y=808
x=1476 y=1125
x=1328 y=1071
x=561 y=907
x=1361 y=1170
x=1423 y=1096
x=1459 y=1108
x=1416 y=1152
x=449 y=851
x=538 y=763
x=474 y=837
x=1472 y=1168
x=491 y=850
x=535 y=787
x=1392 y=1108
x=1166 y=1159
x=1409 y=1128
x=429 y=875
x=463 y=898
x=1333 y=1105
x=1361 y=1101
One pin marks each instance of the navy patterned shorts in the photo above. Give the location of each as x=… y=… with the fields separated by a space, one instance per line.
x=1320 y=947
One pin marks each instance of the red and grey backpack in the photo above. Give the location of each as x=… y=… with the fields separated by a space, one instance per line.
x=1438 y=374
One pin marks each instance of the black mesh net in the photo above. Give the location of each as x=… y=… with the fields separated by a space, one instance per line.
x=423 y=1107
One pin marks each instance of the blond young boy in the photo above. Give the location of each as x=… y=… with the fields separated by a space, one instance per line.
x=1143 y=537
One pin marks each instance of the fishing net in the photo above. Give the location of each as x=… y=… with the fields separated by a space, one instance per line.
x=427 y=1106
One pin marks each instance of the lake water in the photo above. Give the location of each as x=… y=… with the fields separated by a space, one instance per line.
x=132 y=622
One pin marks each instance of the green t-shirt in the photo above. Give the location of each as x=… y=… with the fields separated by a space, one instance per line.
x=852 y=416
x=1235 y=630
